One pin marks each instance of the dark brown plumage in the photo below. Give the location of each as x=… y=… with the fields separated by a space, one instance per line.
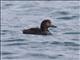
x=43 y=30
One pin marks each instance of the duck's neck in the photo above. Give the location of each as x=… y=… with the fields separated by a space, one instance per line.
x=44 y=29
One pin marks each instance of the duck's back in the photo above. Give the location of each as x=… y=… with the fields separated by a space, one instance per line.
x=32 y=31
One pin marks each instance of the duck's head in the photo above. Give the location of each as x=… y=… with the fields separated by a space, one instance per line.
x=46 y=24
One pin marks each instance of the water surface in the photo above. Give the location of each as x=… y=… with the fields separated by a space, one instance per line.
x=62 y=45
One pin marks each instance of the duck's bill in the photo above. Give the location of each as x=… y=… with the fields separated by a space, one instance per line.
x=53 y=26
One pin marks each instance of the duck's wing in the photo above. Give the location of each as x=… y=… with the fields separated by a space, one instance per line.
x=31 y=31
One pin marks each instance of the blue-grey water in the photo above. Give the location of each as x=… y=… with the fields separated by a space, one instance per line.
x=64 y=44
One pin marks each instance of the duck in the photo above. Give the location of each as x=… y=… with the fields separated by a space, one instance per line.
x=43 y=30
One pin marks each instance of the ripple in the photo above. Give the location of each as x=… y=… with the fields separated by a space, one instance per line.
x=63 y=12
x=74 y=48
x=7 y=53
x=75 y=7
x=13 y=40
x=71 y=44
x=16 y=44
x=67 y=18
x=11 y=57
x=6 y=6
x=31 y=5
x=44 y=55
x=76 y=39
x=45 y=42
x=57 y=43
x=4 y=32
x=72 y=33
x=65 y=43
x=7 y=31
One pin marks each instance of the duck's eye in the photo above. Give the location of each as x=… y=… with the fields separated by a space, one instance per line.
x=48 y=24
